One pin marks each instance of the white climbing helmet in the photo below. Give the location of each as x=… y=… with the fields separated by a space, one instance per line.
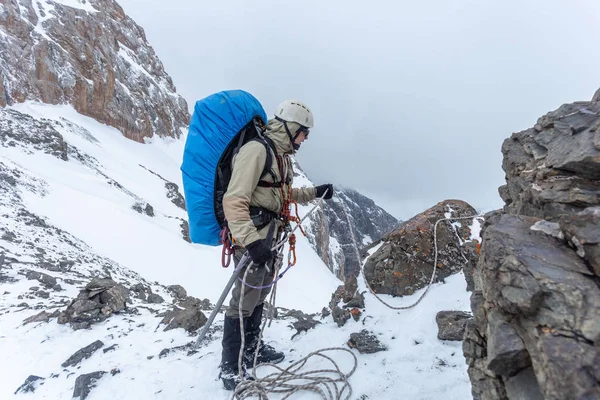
x=295 y=111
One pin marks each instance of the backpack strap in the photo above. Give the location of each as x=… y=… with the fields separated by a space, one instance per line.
x=268 y=143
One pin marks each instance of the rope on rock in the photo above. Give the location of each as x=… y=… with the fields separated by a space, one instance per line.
x=434 y=260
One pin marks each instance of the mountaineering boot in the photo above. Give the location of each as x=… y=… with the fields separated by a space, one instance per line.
x=266 y=353
x=232 y=342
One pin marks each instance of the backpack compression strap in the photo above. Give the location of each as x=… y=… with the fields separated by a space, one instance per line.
x=268 y=143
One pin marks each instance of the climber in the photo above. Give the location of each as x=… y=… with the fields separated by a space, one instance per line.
x=254 y=206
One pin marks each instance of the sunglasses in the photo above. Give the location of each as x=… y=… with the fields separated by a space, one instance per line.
x=305 y=130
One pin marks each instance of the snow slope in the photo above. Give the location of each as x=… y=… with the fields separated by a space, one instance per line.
x=91 y=199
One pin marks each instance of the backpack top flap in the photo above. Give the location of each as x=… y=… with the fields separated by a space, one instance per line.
x=216 y=121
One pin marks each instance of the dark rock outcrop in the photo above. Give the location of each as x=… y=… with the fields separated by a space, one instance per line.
x=99 y=300
x=366 y=342
x=536 y=304
x=345 y=225
x=30 y=385
x=85 y=383
x=83 y=353
x=186 y=314
x=451 y=324
x=404 y=263
x=93 y=57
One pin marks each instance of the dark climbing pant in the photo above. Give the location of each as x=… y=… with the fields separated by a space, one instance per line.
x=257 y=276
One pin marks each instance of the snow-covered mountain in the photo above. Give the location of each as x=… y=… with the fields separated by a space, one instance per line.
x=91 y=55
x=340 y=230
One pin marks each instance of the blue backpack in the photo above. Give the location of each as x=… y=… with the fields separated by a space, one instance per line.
x=221 y=124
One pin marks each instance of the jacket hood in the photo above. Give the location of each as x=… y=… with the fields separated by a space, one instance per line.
x=276 y=132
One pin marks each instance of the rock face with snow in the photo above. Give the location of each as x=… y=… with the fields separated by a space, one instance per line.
x=536 y=304
x=404 y=262
x=91 y=55
x=344 y=227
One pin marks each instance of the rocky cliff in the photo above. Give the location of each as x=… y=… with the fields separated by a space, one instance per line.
x=344 y=226
x=88 y=54
x=536 y=304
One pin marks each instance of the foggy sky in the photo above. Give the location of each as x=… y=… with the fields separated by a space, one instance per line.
x=411 y=101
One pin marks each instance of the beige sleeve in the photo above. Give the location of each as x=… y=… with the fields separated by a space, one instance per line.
x=248 y=166
x=303 y=195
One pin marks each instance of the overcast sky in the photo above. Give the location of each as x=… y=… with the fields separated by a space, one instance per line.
x=412 y=100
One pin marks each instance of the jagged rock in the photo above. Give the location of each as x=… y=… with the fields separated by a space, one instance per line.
x=100 y=284
x=523 y=385
x=506 y=352
x=43 y=316
x=30 y=385
x=144 y=208
x=155 y=298
x=85 y=383
x=189 y=348
x=365 y=342
x=45 y=279
x=536 y=277
x=115 y=297
x=368 y=223
x=110 y=348
x=17 y=129
x=186 y=314
x=174 y=195
x=536 y=327
x=554 y=169
x=178 y=291
x=451 y=324
x=404 y=263
x=340 y=315
x=583 y=232
x=83 y=353
x=303 y=323
x=99 y=299
x=114 y=76
x=185 y=231
x=141 y=291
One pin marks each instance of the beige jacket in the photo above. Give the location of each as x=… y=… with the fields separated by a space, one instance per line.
x=243 y=191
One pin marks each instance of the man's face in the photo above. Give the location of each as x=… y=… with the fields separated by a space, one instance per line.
x=302 y=136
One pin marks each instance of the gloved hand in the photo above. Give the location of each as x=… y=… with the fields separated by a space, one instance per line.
x=260 y=253
x=319 y=190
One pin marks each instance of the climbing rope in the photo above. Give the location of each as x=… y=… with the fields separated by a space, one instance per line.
x=330 y=384
x=434 y=260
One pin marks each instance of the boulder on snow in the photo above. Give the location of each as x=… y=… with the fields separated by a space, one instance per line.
x=144 y=292
x=144 y=208
x=365 y=342
x=451 y=324
x=30 y=385
x=178 y=291
x=186 y=314
x=85 y=383
x=41 y=317
x=346 y=301
x=404 y=262
x=100 y=299
x=83 y=353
